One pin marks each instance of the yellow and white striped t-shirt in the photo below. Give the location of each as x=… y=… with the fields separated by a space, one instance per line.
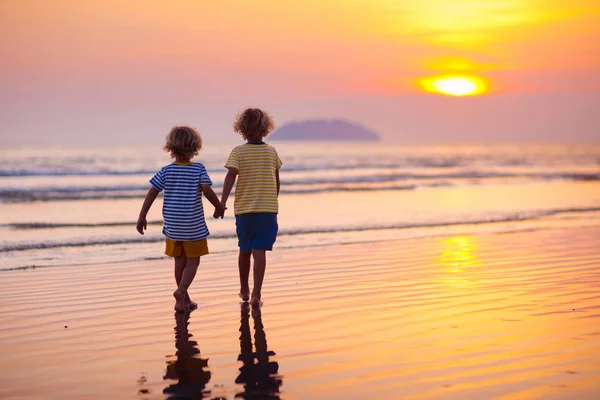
x=256 y=188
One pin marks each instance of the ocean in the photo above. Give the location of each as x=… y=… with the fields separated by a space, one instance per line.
x=78 y=206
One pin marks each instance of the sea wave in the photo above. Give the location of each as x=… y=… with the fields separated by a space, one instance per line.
x=401 y=163
x=74 y=172
x=521 y=216
x=47 y=225
x=313 y=167
x=389 y=181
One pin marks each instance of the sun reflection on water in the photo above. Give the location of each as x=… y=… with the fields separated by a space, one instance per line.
x=458 y=259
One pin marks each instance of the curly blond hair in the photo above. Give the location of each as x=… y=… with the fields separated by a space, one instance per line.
x=183 y=143
x=253 y=124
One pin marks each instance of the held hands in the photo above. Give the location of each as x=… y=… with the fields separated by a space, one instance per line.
x=220 y=211
x=141 y=225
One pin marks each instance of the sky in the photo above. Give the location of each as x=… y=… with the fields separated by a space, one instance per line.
x=124 y=72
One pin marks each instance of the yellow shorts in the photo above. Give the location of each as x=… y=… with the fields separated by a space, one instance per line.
x=178 y=248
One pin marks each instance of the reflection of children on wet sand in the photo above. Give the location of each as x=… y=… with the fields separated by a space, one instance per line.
x=261 y=379
x=190 y=371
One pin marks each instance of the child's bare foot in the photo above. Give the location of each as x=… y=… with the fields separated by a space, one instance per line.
x=179 y=301
x=244 y=296
x=256 y=302
x=189 y=304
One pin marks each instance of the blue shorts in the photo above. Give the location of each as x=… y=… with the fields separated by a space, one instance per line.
x=256 y=231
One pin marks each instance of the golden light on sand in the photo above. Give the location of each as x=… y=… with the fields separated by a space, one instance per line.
x=455 y=85
x=458 y=259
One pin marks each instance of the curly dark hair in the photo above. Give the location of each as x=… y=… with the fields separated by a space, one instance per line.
x=183 y=143
x=253 y=124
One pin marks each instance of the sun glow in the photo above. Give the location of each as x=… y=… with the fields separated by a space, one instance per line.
x=455 y=85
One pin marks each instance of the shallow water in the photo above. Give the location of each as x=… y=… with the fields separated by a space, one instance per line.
x=79 y=206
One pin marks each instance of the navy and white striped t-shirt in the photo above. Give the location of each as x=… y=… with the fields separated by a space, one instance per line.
x=183 y=213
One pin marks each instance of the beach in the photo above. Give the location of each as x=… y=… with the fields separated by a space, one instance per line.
x=457 y=316
x=426 y=174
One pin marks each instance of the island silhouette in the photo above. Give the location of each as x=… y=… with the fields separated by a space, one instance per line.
x=325 y=130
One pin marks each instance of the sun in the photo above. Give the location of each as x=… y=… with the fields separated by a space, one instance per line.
x=454 y=85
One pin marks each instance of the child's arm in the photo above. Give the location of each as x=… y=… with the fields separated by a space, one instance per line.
x=214 y=200
x=277 y=180
x=141 y=222
x=228 y=184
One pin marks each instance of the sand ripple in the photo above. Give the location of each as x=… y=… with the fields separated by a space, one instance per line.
x=467 y=317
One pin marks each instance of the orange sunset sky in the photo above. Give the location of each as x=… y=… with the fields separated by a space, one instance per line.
x=125 y=71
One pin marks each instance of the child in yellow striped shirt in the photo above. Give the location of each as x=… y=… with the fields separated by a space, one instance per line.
x=255 y=165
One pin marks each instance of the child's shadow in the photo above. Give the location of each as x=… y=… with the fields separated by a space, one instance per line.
x=260 y=378
x=186 y=367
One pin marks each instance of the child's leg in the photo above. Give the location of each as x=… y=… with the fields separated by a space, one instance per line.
x=189 y=272
x=179 y=267
x=260 y=264
x=180 y=263
x=244 y=267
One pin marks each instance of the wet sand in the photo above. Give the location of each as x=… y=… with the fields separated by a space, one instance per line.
x=467 y=317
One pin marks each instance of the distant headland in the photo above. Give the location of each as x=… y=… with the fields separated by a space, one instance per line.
x=321 y=129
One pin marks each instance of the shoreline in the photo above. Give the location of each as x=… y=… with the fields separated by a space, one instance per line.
x=66 y=239
x=320 y=238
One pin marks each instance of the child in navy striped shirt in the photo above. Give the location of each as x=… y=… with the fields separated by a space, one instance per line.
x=184 y=226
